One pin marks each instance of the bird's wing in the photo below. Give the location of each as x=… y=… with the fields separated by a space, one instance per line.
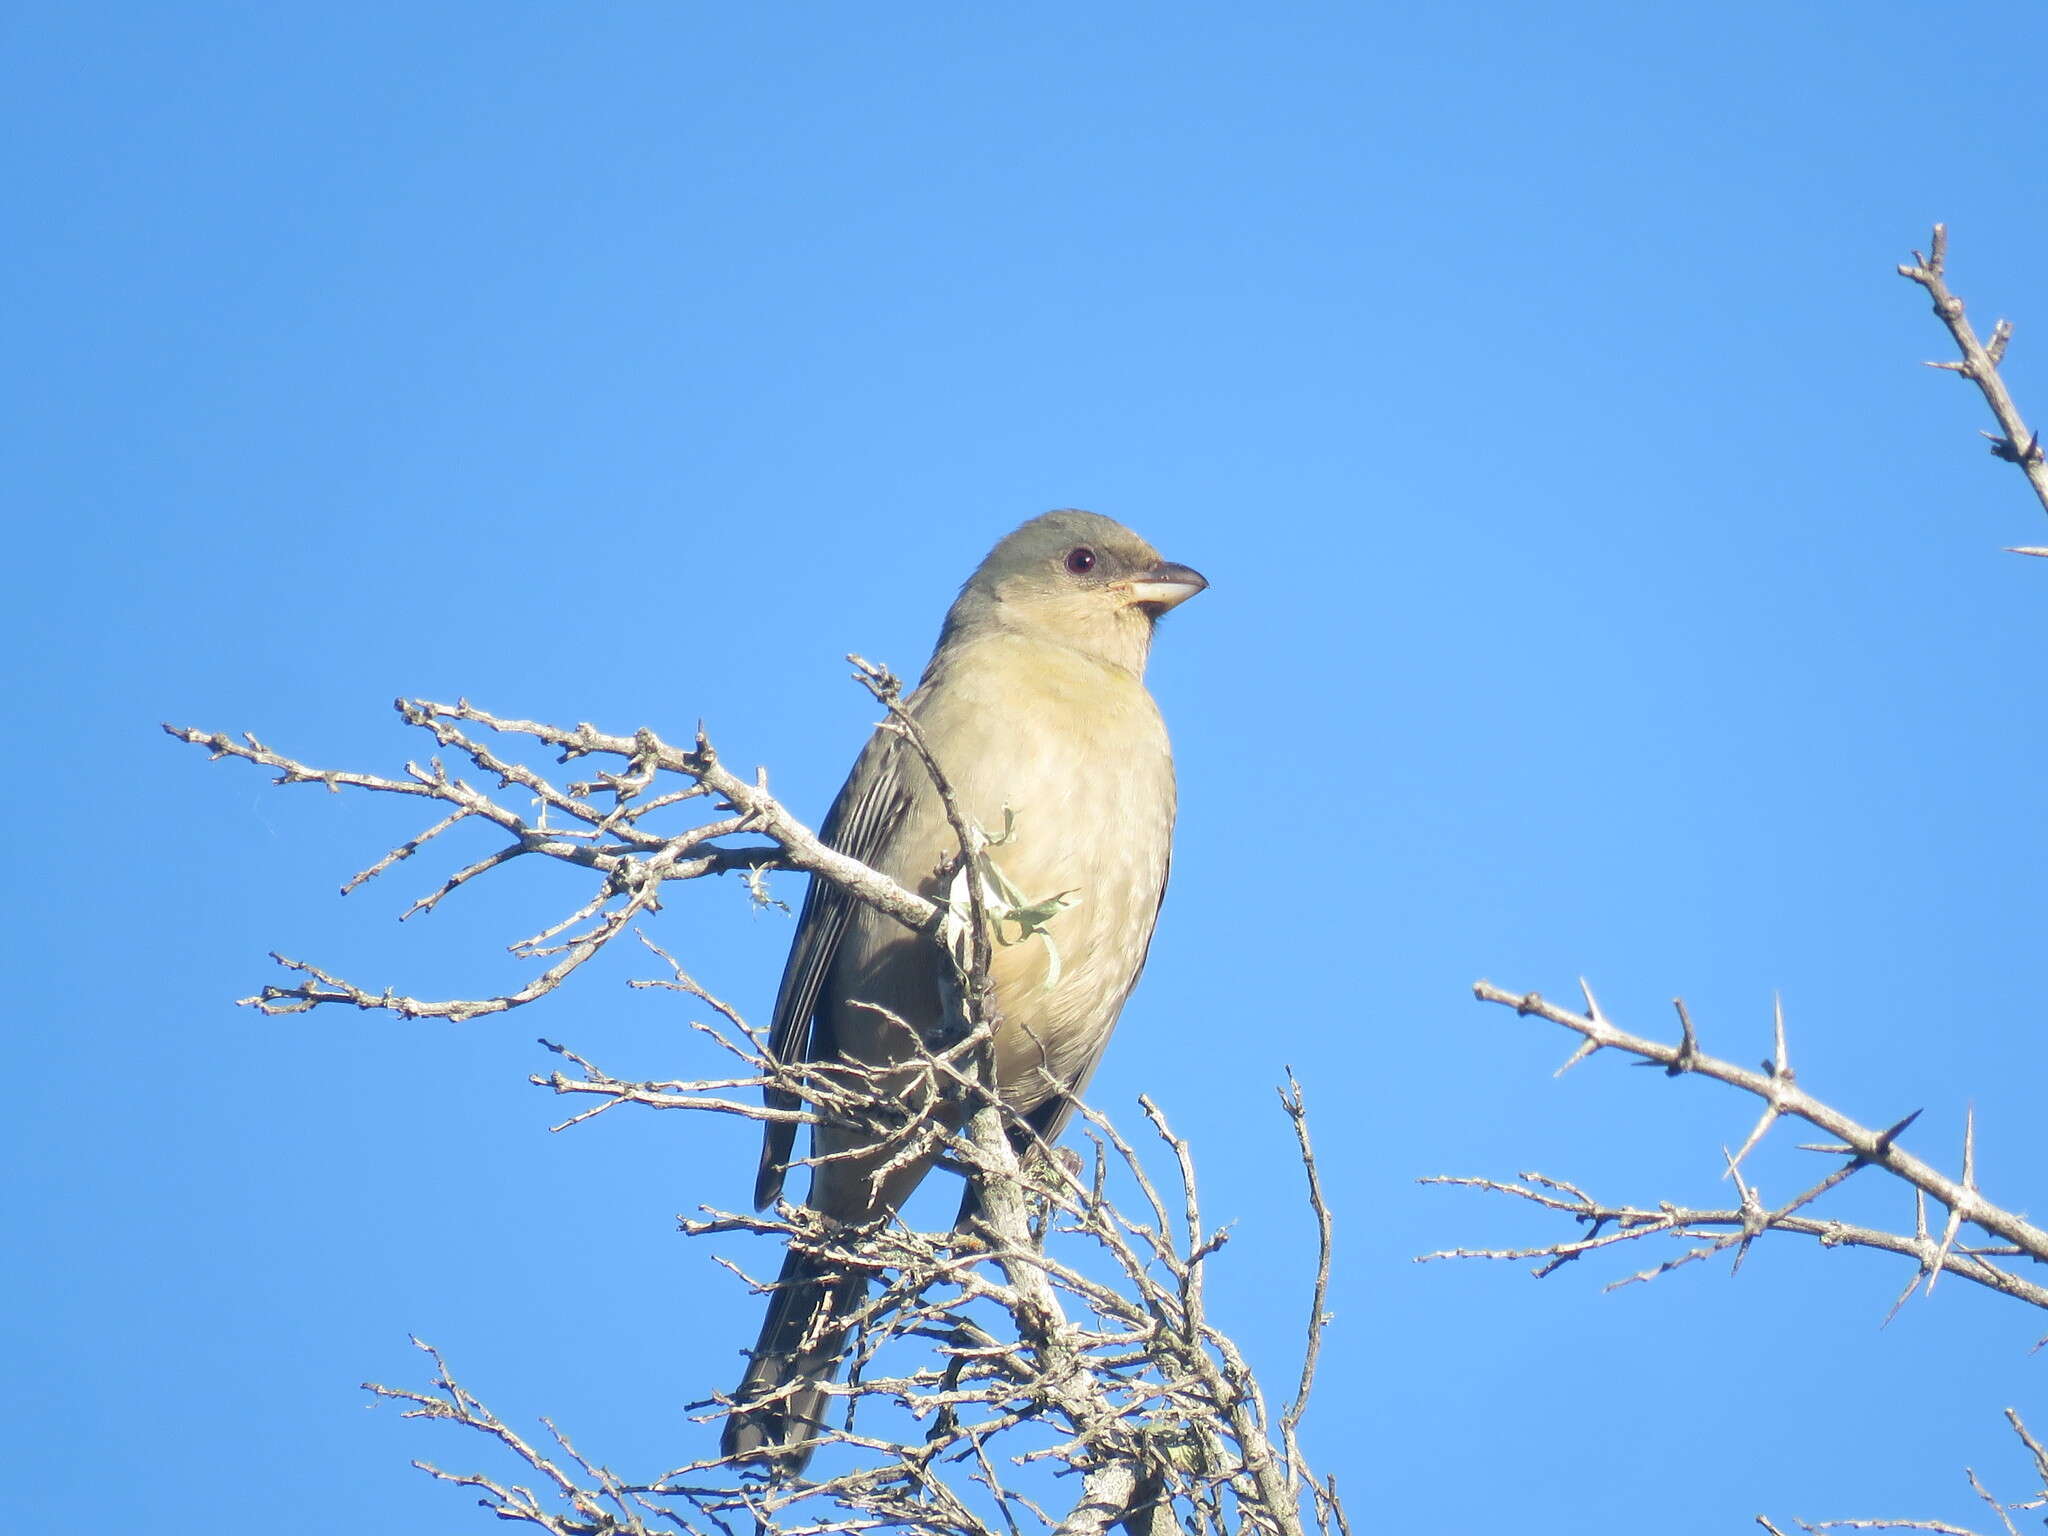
x=873 y=800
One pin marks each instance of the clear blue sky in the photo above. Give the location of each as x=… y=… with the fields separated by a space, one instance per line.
x=1599 y=587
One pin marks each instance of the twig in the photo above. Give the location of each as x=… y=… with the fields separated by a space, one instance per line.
x=1979 y=364
x=1783 y=1095
x=1296 y=1106
x=632 y=859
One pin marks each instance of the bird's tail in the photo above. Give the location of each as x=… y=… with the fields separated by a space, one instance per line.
x=783 y=1399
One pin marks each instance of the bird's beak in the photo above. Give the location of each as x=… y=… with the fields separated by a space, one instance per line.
x=1165 y=586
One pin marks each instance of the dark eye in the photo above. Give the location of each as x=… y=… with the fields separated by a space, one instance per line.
x=1081 y=560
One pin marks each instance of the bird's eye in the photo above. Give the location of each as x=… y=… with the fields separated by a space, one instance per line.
x=1081 y=560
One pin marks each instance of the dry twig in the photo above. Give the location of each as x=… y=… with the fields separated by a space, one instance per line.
x=1979 y=364
x=608 y=827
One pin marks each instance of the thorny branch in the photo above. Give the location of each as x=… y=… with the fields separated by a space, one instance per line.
x=1979 y=364
x=1976 y=1241
x=2001 y=1510
x=2006 y=1234
x=609 y=827
x=1062 y=1336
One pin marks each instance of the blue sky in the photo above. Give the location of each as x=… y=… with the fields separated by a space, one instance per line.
x=1599 y=587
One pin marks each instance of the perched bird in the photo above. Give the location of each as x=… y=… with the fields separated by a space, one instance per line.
x=1034 y=706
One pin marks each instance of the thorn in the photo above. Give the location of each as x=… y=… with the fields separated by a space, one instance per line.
x=1763 y=1124
x=1954 y=1224
x=1949 y=367
x=1688 y=1044
x=1753 y=1218
x=1734 y=1171
x=1911 y=1285
x=2025 y=549
x=1949 y=1230
x=1783 y=1069
x=1891 y=1133
x=1586 y=1048
x=1592 y=1004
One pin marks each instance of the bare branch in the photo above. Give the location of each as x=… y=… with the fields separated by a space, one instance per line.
x=2000 y=1510
x=1125 y=1385
x=1979 y=364
x=618 y=842
x=1296 y=1106
x=1781 y=1093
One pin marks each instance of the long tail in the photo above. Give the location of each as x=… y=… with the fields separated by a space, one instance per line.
x=783 y=1398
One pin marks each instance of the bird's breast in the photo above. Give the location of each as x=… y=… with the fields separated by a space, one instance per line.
x=1067 y=763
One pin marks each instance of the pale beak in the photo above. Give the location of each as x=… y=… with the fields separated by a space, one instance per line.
x=1165 y=586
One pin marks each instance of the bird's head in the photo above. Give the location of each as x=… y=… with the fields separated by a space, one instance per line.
x=1077 y=579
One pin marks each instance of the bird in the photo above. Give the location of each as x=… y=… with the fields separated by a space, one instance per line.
x=1035 y=708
